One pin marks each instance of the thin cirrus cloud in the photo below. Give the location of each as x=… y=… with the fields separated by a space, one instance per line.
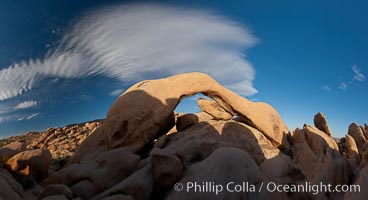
x=116 y=92
x=343 y=86
x=137 y=41
x=18 y=117
x=10 y=112
x=28 y=117
x=358 y=75
x=26 y=104
x=326 y=88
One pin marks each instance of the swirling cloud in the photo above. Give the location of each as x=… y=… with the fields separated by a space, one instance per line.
x=138 y=41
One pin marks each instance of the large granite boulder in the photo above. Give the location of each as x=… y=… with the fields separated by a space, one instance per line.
x=316 y=155
x=356 y=132
x=320 y=122
x=11 y=149
x=225 y=165
x=145 y=111
x=89 y=178
x=212 y=108
x=9 y=187
x=33 y=163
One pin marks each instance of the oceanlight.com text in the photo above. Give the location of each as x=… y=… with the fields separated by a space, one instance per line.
x=216 y=188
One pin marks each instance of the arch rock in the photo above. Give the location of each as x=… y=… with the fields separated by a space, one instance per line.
x=146 y=110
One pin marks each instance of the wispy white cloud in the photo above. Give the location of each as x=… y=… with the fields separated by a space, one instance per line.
x=28 y=117
x=343 y=86
x=139 y=41
x=358 y=75
x=86 y=97
x=326 y=88
x=5 y=108
x=10 y=111
x=116 y=92
x=32 y=116
x=18 y=117
x=26 y=104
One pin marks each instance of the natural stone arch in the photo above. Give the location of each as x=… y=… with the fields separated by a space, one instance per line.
x=145 y=111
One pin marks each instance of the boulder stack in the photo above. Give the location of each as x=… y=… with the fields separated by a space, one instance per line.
x=144 y=150
x=321 y=123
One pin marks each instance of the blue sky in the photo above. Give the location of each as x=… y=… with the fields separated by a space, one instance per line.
x=65 y=62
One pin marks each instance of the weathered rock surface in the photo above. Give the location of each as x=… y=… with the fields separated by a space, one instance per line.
x=320 y=122
x=9 y=187
x=144 y=148
x=186 y=120
x=362 y=183
x=230 y=165
x=318 y=159
x=199 y=141
x=212 y=108
x=139 y=181
x=318 y=140
x=11 y=149
x=351 y=148
x=356 y=132
x=56 y=189
x=364 y=161
x=61 y=142
x=351 y=152
x=166 y=168
x=89 y=178
x=365 y=130
x=31 y=163
x=145 y=111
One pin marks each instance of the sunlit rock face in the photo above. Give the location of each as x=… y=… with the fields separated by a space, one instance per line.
x=143 y=148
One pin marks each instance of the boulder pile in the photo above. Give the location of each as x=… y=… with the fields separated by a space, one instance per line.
x=143 y=149
x=61 y=142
